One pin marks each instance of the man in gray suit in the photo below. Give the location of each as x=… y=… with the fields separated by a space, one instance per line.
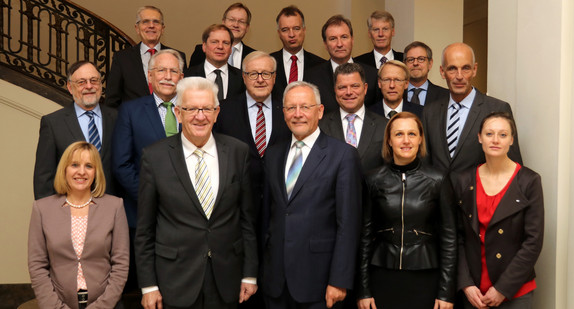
x=452 y=124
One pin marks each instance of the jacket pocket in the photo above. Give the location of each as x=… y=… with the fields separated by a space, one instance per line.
x=165 y=251
x=321 y=245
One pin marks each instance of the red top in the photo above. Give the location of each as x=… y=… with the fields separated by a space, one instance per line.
x=486 y=206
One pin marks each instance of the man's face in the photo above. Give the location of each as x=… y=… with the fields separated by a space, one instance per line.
x=458 y=70
x=150 y=27
x=350 y=92
x=339 y=42
x=217 y=48
x=418 y=70
x=196 y=126
x=236 y=20
x=393 y=84
x=259 y=89
x=291 y=32
x=85 y=86
x=381 y=34
x=301 y=111
x=164 y=76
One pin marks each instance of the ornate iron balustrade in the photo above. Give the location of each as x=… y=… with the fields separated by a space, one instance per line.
x=40 y=38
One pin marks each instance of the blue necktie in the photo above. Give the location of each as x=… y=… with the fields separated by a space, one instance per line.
x=93 y=135
x=295 y=168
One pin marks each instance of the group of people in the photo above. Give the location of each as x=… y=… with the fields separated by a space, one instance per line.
x=340 y=183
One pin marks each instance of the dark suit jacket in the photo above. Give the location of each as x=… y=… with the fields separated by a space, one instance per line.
x=313 y=236
x=371 y=140
x=57 y=131
x=515 y=231
x=281 y=81
x=434 y=93
x=407 y=107
x=52 y=261
x=174 y=238
x=235 y=84
x=468 y=151
x=127 y=80
x=198 y=56
x=322 y=76
x=369 y=58
x=138 y=125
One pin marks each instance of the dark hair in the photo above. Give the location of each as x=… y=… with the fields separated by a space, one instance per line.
x=504 y=115
x=335 y=20
x=78 y=64
x=387 y=150
x=418 y=44
x=349 y=68
x=215 y=27
x=290 y=11
x=238 y=5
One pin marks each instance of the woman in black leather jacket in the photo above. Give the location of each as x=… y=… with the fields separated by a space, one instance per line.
x=408 y=243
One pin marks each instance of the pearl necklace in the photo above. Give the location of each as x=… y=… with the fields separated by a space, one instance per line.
x=79 y=206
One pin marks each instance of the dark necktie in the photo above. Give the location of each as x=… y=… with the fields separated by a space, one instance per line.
x=170 y=122
x=415 y=98
x=93 y=135
x=383 y=61
x=260 y=134
x=294 y=72
x=152 y=52
x=392 y=113
x=452 y=128
x=219 y=83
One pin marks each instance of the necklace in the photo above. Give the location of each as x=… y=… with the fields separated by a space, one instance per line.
x=79 y=206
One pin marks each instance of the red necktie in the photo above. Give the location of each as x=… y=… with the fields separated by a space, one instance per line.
x=152 y=52
x=293 y=74
x=260 y=137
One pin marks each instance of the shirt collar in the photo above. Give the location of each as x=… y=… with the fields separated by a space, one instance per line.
x=360 y=113
x=238 y=47
x=159 y=101
x=80 y=111
x=334 y=65
x=144 y=48
x=209 y=68
x=390 y=55
x=188 y=147
x=467 y=101
x=387 y=109
x=251 y=102
x=424 y=86
x=287 y=55
x=309 y=140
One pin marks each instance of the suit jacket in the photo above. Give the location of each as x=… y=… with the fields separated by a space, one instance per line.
x=138 y=125
x=57 y=131
x=322 y=76
x=371 y=140
x=198 y=56
x=174 y=239
x=281 y=81
x=235 y=84
x=369 y=58
x=513 y=237
x=407 y=107
x=127 y=80
x=312 y=239
x=434 y=93
x=53 y=263
x=468 y=151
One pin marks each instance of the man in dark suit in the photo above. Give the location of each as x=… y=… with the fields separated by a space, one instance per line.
x=452 y=124
x=418 y=58
x=381 y=26
x=127 y=79
x=195 y=240
x=337 y=35
x=352 y=122
x=217 y=48
x=236 y=17
x=85 y=119
x=292 y=60
x=314 y=185
x=393 y=81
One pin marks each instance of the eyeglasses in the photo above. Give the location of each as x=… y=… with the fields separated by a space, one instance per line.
x=302 y=108
x=165 y=70
x=387 y=81
x=194 y=111
x=411 y=60
x=233 y=21
x=150 y=21
x=95 y=81
x=255 y=75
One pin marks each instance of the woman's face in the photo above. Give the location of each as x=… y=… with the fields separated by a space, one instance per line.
x=405 y=140
x=495 y=137
x=80 y=173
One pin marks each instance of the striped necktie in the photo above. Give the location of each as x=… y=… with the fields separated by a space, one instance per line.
x=294 y=72
x=93 y=135
x=260 y=134
x=452 y=128
x=203 y=184
x=295 y=168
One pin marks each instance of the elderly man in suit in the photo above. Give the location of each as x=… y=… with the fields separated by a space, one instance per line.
x=381 y=26
x=314 y=209
x=452 y=124
x=85 y=119
x=127 y=79
x=418 y=58
x=216 y=45
x=195 y=239
x=352 y=122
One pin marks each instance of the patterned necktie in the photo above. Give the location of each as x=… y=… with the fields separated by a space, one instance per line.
x=392 y=113
x=219 y=83
x=351 y=136
x=452 y=128
x=152 y=52
x=293 y=73
x=203 y=184
x=383 y=61
x=93 y=135
x=170 y=122
x=295 y=168
x=260 y=134
x=415 y=98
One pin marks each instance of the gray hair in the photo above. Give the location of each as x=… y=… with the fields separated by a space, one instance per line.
x=256 y=55
x=172 y=52
x=148 y=7
x=303 y=84
x=196 y=83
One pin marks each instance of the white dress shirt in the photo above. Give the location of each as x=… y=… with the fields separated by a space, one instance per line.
x=358 y=122
x=147 y=56
x=387 y=109
x=287 y=64
x=305 y=150
x=378 y=56
x=236 y=52
x=334 y=65
x=209 y=70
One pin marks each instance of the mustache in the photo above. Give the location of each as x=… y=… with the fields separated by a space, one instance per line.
x=167 y=82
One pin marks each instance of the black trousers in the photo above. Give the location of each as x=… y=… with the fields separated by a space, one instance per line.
x=286 y=301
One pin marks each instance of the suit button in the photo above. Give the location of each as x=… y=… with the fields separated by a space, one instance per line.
x=500 y=231
x=469 y=216
x=460 y=202
x=498 y=256
x=471 y=188
x=209 y=253
x=287 y=214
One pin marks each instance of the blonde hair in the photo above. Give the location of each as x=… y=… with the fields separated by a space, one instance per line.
x=61 y=184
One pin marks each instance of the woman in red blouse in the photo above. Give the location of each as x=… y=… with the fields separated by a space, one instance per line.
x=501 y=223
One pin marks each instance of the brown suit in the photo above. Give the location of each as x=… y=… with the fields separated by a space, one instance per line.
x=52 y=261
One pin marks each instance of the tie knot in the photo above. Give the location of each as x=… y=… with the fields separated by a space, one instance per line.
x=456 y=106
x=217 y=72
x=299 y=144
x=90 y=114
x=351 y=117
x=293 y=58
x=392 y=113
x=259 y=105
x=384 y=60
x=167 y=105
x=151 y=51
x=199 y=153
x=416 y=91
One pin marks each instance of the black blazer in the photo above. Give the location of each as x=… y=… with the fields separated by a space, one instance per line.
x=369 y=58
x=310 y=60
x=468 y=151
x=371 y=140
x=127 y=80
x=434 y=93
x=198 y=56
x=57 y=131
x=407 y=107
x=235 y=84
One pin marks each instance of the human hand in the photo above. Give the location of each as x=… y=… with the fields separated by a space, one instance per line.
x=334 y=294
x=492 y=298
x=247 y=289
x=366 y=303
x=474 y=297
x=441 y=304
x=152 y=300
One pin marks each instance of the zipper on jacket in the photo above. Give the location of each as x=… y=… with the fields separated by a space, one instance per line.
x=404 y=179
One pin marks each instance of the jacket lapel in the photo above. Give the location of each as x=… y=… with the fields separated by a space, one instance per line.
x=512 y=202
x=71 y=120
x=366 y=134
x=223 y=158
x=313 y=160
x=473 y=116
x=150 y=109
x=138 y=69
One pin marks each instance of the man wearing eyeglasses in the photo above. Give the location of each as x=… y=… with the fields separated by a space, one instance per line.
x=83 y=120
x=393 y=81
x=419 y=61
x=236 y=17
x=195 y=242
x=381 y=25
x=127 y=79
